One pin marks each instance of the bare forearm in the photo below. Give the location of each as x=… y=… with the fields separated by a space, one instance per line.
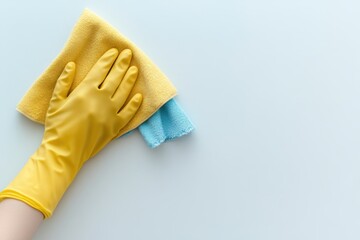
x=18 y=221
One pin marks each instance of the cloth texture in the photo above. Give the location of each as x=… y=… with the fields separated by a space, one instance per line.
x=90 y=39
x=168 y=123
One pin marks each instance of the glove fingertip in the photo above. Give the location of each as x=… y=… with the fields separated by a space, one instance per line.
x=70 y=66
x=138 y=98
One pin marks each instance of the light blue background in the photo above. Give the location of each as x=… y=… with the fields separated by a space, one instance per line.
x=273 y=88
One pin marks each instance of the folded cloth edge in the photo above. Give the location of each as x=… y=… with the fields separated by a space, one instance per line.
x=168 y=123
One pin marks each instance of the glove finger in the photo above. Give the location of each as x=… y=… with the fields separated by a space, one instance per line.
x=117 y=71
x=63 y=84
x=101 y=68
x=126 y=85
x=129 y=111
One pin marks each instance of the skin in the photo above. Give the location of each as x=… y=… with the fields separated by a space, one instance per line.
x=15 y=215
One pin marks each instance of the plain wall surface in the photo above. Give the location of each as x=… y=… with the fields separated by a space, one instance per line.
x=273 y=88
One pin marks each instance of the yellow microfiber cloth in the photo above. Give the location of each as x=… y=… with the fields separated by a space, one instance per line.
x=89 y=40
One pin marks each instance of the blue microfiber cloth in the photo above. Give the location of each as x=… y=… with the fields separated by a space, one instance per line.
x=169 y=122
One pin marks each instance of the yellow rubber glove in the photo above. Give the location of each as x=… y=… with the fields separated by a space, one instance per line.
x=77 y=126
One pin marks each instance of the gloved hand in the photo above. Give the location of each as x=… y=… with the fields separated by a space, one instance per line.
x=77 y=126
